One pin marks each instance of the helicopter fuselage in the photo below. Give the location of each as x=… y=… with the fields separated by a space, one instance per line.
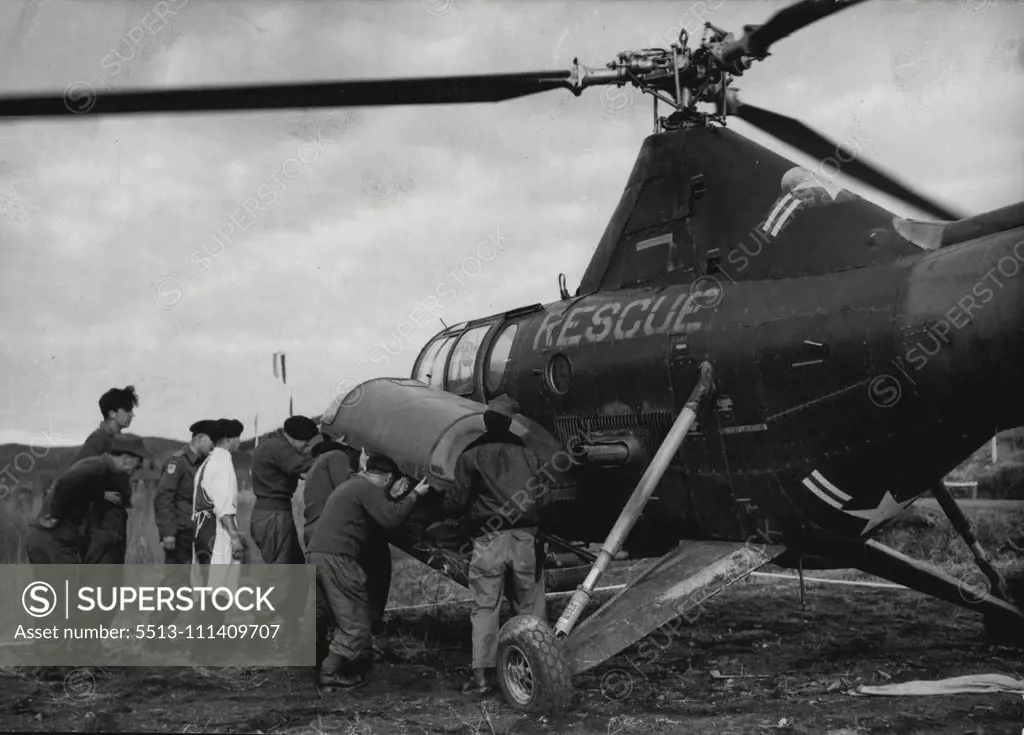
x=839 y=398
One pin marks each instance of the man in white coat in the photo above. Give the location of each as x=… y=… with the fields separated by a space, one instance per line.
x=215 y=502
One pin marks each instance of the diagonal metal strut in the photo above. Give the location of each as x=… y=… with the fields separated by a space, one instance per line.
x=635 y=505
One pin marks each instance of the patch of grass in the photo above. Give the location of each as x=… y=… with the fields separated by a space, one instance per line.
x=925 y=533
x=1005 y=478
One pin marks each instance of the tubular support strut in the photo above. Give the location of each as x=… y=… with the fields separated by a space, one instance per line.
x=637 y=501
x=963 y=527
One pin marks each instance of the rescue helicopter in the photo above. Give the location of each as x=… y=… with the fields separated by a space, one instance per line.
x=756 y=366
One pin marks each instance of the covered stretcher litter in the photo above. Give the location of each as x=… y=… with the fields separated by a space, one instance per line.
x=424 y=430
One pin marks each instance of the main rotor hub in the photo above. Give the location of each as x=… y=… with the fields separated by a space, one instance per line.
x=678 y=76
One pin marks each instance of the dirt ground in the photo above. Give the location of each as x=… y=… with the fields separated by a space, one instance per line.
x=797 y=670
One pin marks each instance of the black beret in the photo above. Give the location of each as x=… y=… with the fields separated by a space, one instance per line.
x=381 y=463
x=216 y=431
x=300 y=428
x=206 y=426
x=230 y=428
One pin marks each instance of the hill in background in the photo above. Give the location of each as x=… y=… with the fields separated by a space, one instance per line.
x=35 y=468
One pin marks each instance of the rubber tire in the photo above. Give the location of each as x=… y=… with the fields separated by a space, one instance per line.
x=552 y=679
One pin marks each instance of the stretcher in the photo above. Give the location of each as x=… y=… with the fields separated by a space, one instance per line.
x=424 y=430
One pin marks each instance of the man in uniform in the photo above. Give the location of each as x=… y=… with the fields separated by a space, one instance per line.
x=55 y=537
x=105 y=529
x=495 y=491
x=334 y=464
x=172 y=504
x=348 y=519
x=277 y=464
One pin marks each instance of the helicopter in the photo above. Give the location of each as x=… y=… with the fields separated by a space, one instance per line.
x=755 y=367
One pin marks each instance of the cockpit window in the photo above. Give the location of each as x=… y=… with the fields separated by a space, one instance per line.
x=436 y=375
x=426 y=361
x=460 y=369
x=499 y=358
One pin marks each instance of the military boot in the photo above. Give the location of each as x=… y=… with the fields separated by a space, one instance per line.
x=477 y=683
x=337 y=673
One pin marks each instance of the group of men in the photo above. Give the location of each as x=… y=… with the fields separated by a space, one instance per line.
x=85 y=517
x=352 y=499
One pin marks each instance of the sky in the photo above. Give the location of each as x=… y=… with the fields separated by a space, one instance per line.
x=178 y=253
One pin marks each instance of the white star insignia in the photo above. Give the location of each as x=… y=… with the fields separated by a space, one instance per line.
x=888 y=508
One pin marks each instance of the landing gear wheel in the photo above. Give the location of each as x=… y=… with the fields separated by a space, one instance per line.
x=532 y=672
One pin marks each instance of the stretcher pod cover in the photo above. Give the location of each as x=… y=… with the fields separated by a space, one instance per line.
x=425 y=430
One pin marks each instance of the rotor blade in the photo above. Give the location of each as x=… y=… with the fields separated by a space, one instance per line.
x=80 y=97
x=757 y=39
x=798 y=135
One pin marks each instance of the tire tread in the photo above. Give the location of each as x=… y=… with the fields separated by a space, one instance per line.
x=552 y=677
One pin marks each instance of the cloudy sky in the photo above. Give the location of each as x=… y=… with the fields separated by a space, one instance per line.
x=133 y=250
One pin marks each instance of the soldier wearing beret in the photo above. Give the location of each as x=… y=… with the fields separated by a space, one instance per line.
x=376 y=499
x=335 y=463
x=492 y=474
x=277 y=465
x=56 y=537
x=172 y=504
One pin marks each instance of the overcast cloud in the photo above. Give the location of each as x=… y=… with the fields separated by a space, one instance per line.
x=178 y=253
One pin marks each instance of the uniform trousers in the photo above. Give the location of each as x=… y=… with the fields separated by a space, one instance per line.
x=106 y=539
x=494 y=556
x=58 y=545
x=183 y=551
x=342 y=600
x=375 y=558
x=275 y=536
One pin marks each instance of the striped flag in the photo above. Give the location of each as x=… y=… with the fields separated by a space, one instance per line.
x=279 y=360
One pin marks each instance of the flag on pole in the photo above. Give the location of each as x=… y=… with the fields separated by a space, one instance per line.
x=279 y=360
